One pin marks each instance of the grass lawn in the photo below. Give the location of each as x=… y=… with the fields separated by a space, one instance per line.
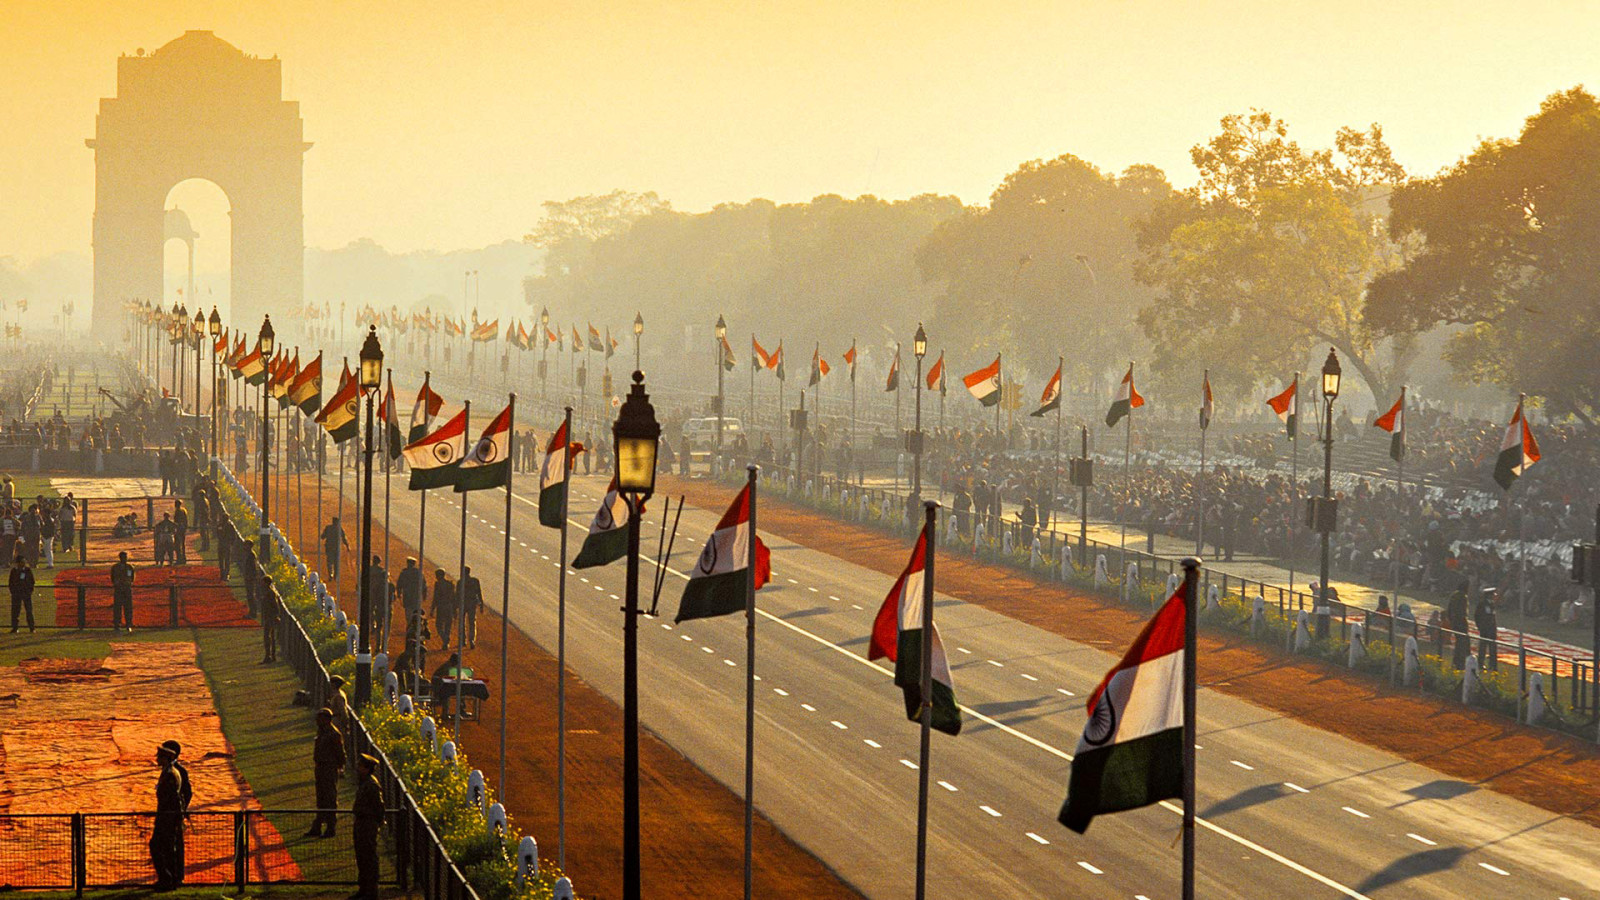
x=29 y=485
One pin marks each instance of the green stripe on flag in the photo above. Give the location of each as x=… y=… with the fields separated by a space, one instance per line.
x=551 y=501
x=437 y=477
x=481 y=478
x=1123 y=776
x=601 y=548
x=714 y=595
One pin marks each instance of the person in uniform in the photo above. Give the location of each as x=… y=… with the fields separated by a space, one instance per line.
x=1488 y=621
x=185 y=794
x=21 y=583
x=378 y=591
x=412 y=587
x=121 y=593
x=267 y=594
x=444 y=606
x=369 y=813
x=472 y=601
x=327 y=757
x=169 y=820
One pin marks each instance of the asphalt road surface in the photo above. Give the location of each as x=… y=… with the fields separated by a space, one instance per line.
x=1286 y=810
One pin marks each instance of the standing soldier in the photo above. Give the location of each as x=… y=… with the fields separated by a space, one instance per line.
x=68 y=522
x=332 y=540
x=252 y=574
x=267 y=596
x=169 y=820
x=327 y=757
x=180 y=533
x=185 y=794
x=378 y=591
x=121 y=593
x=368 y=811
x=225 y=534
x=412 y=588
x=444 y=607
x=472 y=601
x=21 y=584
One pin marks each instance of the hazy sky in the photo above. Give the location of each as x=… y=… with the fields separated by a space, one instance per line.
x=444 y=125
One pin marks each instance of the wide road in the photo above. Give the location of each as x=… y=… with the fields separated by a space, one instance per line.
x=1287 y=810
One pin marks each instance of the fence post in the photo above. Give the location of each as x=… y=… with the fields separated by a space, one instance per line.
x=172 y=603
x=241 y=848
x=83 y=535
x=80 y=867
x=149 y=511
x=83 y=607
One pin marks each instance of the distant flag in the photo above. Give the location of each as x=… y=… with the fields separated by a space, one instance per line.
x=1126 y=400
x=434 y=457
x=391 y=422
x=776 y=362
x=763 y=359
x=850 y=359
x=488 y=464
x=252 y=368
x=1052 y=395
x=559 y=457
x=1131 y=751
x=594 y=339
x=341 y=413
x=1518 y=450
x=486 y=332
x=577 y=340
x=608 y=533
x=819 y=366
x=306 y=392
x=611 y=343
x=936 y=374
x=220 y=346
x=727 y=354
x=897 y=635
x=1287 y=406
x=286 y=378
x=1394 y=422
x=893 y=383
x=1206 y=406
x=985 y=383
x=550 y=337
x=422 y=412
x=717 y=583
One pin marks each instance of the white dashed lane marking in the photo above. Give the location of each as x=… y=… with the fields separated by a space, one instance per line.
x=1089 y=868
x=808 y=707
x=948 y=786
x=1422 y=840
x=840 y=725
x=1029 y=677
x=908 y=764
x=998 y=665
x=780 y=692
x=1295 y=787
x=1355 y=812
x=873 y=744
x=1037 y=839
x=1245 y=766
x=1065 y=691
x=991 y=811
x=1495 y=869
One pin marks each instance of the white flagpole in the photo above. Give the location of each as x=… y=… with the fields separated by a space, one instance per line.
x=561 y=655
x=1127 y=483
x=388 y=537
x=1294 y=492
x=505 y=590
x=750 y=688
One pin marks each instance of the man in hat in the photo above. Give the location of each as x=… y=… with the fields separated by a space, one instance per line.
x=1487 y=618
x=121 y=593
x=472 y=601
x=444 y=606
x=327 y=757
x=369 y=812
x=166 y=833
x=20 y=582
x=185 y=794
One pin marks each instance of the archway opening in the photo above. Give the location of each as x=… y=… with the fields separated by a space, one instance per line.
x=198 y=216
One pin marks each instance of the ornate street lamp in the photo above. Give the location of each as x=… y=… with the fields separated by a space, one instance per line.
x=637 y=435
x=175 y=325
x=919 y=348
x=638 y=331
x=215 y=323
x=371 y=376
x=1324 y=509
x=199 y=339
x=721 y=331
x=264 y=342
x=544 y=355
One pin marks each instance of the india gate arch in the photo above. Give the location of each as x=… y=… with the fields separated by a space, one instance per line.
x=198 y=108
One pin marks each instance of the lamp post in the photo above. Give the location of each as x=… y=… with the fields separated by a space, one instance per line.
x=1324 y=509
x=637 y=435
x=638 y=332
x=216 y=332
x=175 y=326
x=199 y=343
x=544 y=358
x=919 y=348
x=264 y=342
x=371 y=376
x=721 y=334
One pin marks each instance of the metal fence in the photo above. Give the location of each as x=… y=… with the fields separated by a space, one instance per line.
x=1055 y=553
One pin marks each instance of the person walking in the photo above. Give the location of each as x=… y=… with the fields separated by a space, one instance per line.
x=164 y=835
x=121 y=593
x=162 y=536
x=250 y=570
x=31 y=528
x=21 y=584
x=1456 y=620
x=472 y=601
x=47 y=533
x=369 y=812
x=67 y=522
x=378 y=590
x=412 y=587
x=333 y=540
x=267 y=600
x=1486 y=617
x=327 y=759
x=180 y=533
x=444 y=606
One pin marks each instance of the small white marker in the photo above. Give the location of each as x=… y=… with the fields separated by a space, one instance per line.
x=1495 y=869
x=1422 y=840
x=873 y=744
x=991 y=811
x=708 y=650
x=686 y=637
x=948 y=786
x=965 y=650
x=1090 y=869
x=837 y=600
x=1355 y=812
x=729 y=662
x=1029 y=677
x=780 y=692
x=808 y=707
x=1245 y=766
x=908 y=764
x=840 y=725
x=855 y=606
x=1295 y=787
x=1037 y=839
x=666 y=625
x=1065 y=691
x=998 y=665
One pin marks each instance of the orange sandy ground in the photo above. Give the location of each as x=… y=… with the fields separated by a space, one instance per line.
x=703 y=856
x=203 y=600
x=80 y=735
x=1552 y=771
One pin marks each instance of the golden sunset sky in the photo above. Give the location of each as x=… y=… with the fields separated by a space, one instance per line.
x=444 y=125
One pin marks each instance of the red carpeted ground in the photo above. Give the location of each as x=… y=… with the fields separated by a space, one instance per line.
x=202 y=599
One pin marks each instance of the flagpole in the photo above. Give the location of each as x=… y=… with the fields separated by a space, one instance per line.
x=1055 y=473
x=751 y=471
x=752 y=383
x=1191 y=584
x=1399 y=489
x=561 y=654
x=931 y=512
x=388 y=537
x=1127 y=483
x=899 y=436
x=1000 y=382
x=1294 y=489
x=461 y=577
x=422 y=515
x=505 y=591
x=855 y=449
x=1200 y=479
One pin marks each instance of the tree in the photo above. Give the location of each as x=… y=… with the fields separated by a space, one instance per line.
x=570 y=227
x=1269 y=254
x=1045 y=270
x=1506 y=243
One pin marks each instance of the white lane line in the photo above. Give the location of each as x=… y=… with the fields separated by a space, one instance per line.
x=780 y=692
x=873 y=744
x=837 y=600
x=855 y=606
x=1241 y=840
x=840 y=725
x=792 y=581
x=1295 y=787
x=686 y=637
x=708 y=650
x=1065 y=691
x=666 y=626
x=1029 y=677
x=965 y=650
x=1038 y=840
x=1495 y=869
x=997 y=665
x=812 y=590
x=808 y=707
x=991 y=811
x=1421 y=840
x=613 y=596
x=1088 y=868
x=1245 y=766
x=908 y=764
x=1355 y=812
x=729 y=662
x=948 y=786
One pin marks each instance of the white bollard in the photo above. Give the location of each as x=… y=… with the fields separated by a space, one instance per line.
x=1536 y=704
x=527 y=860
x=430 y=733
x=404 y=705
x=1035 y=553
x=1358 y=645
x=1130 y=580
x=1469 y=679
x=340 y=620
x=1173 y=581
x=1413 y=664
x=563 y=890
x=1258 y=615
x=353 y=635
x=1102 y=576
x=1213 y=598
x=1302 y=631
x=1005 y=542
x=496 y=818
x=447 y=753
x=475 y=791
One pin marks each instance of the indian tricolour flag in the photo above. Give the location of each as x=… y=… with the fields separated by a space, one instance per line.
x=488 y=464
x=897 y=635
x=608 y=533
x=717 y=585
x=1131 y=751
x=1052 y=395
x=1518 y=450
x=341 y=414
x=1126 y=401
x=1394 y=422
x=252 y=367
x=422 y=412
x=1287 y=406
x=433 y=459
x=558 y=457
x=985 y=383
